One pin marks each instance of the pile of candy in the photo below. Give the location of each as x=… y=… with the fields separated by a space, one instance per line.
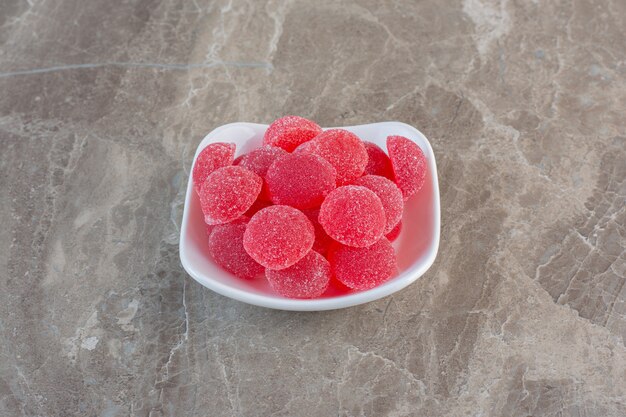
x=307 y=207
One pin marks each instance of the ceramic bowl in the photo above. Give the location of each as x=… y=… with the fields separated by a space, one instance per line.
x=416 y=246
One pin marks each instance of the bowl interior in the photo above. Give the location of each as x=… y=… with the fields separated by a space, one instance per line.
x=416 y=246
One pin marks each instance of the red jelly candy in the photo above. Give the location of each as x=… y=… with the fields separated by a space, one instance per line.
x=290 y=131
x=363 y=268
x=214 y=156
x=353 y=215
x=258 y=161
x=307 y=278
x=408 y=163
x=226 y=248
x=227 y=193
x=393 y=235
x=278 y=236
x=322 y=240
x=378 y=162
x=344 y=150
x=389 y=194
x=304 y=147
x=300 y=180
x=256 y=206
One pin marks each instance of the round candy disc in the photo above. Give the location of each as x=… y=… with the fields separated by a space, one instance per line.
x=214 y=156
x=408 y=163
x=353 y=215
x=226 y=248
x=290 y=131
x=344 y=150
x=389 y=194
x=258 y=161
x=300 y=180
x=307 y=278
x=363 y=268
x=227 y=193
x=378 y=162
x=278 y=236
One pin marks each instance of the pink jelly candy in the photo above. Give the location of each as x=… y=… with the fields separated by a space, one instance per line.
x=258 y=161
x=300 y=180
x=290 y=131
x=395 y=232
x=378 y=162
x=389 y=194
x=353 y=215
x=227 y=193
x=363 y=268
x=322 y=240
x=278 y=236
x=408 y=163
x=226 y=248
x=307 y=278
x=344 y=150
x=214 y=156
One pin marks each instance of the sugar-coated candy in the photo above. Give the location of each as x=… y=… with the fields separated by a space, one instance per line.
x=278 y=236
x=214 y=156
x=227 y=193
x=353 y=215
x=307 y=278
x=226 y=248
x=363 y=268
x=395 y=232
x=256 y=206
x=389 y=194
x=344 y=150
x=322 y=240
x=258 y=161
x=304 y=147
x=408 y=163
x=290 y=131
x=314 y=211
x=300 y=180
x=378 y=162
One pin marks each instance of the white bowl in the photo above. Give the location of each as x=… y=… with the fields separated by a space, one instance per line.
x=416 y=246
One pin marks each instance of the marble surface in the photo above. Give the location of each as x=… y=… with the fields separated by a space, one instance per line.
x=102 y=105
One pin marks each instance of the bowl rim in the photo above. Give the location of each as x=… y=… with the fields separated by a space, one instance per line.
x=401 y=281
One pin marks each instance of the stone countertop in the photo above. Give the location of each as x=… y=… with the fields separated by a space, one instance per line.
x=103 y=103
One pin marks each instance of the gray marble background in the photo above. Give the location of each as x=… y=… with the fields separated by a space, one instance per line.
x=102 y=104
